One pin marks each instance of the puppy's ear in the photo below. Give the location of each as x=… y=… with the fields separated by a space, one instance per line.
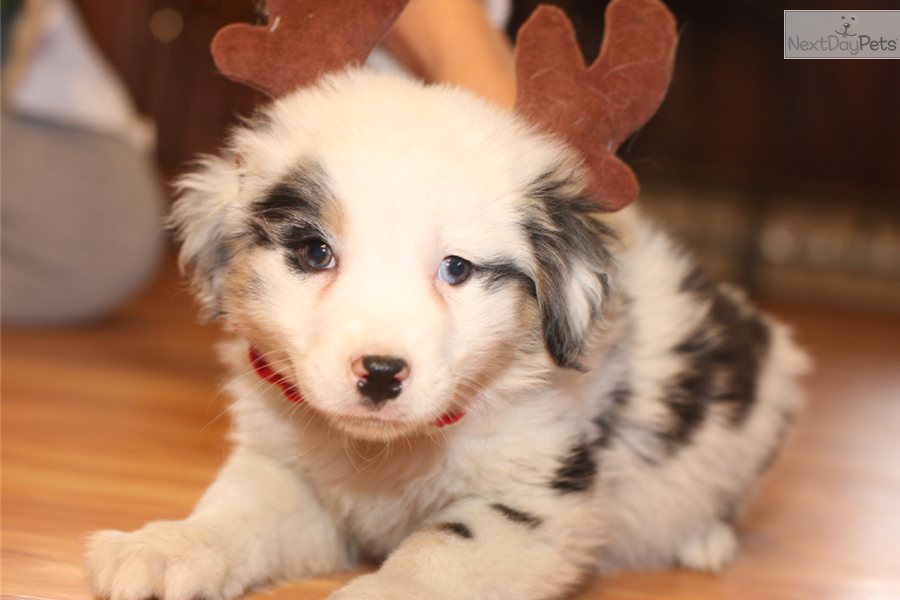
x=202 y=218
x=574 y=266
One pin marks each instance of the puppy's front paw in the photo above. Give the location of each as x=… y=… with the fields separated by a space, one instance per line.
x=171 y=560
x=381 y=586
x=712 y=550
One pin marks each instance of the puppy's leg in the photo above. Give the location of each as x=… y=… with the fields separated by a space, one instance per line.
x=711 y=550
x=521 y=548
x=258 y=522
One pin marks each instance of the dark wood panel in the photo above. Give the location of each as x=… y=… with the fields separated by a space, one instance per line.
x=737 y=113
x=174 y=81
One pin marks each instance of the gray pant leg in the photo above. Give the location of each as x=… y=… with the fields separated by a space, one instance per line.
x=81 y=222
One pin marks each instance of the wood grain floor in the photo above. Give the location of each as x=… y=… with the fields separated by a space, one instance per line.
x=112 y=425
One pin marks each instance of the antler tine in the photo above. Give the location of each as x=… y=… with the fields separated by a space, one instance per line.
x=596 y=108
x=302 y=40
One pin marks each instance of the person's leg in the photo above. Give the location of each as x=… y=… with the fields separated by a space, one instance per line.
x=81 y=223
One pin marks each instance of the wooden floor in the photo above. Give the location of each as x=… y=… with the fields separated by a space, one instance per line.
x=120 y=423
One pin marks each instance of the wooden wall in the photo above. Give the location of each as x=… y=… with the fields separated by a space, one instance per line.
x=781 y=175
x=170 y=73
x=737 y=114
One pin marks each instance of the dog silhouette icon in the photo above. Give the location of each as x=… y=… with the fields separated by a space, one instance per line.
x=846 y=23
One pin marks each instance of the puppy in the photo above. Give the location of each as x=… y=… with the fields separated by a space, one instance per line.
x=445 y=359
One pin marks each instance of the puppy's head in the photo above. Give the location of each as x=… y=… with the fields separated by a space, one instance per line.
x=397 y=252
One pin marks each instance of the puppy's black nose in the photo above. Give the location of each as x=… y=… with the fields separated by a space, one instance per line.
x=380 y=378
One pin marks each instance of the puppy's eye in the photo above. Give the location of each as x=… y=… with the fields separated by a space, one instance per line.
x=454 y=270
x=316 y=255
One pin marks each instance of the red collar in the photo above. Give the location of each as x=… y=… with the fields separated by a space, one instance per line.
x=266 y=372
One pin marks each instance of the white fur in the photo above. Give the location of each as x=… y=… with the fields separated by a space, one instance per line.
x=416 y=174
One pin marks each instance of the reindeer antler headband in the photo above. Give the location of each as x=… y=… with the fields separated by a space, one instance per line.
x=593 y=108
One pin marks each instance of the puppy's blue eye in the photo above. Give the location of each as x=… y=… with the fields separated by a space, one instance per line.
x=454 y=270
x=316 y=255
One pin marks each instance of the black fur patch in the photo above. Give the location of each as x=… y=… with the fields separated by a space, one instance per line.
x=517 y=516
x=565 y=231
x=284 y=202
x=577 y=470
x=457 y=529
x=291 y=207
x=498 y=273
x=621 y=394
x=259 y=120
x=696 y=281
x=723 y=358
x=289 y=214
x=605 y=428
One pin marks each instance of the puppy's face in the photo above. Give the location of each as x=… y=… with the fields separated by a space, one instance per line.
x=398 y=253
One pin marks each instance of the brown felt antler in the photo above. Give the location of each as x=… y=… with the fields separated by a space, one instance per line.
x=302 y=40
x=596 y=108
x=592 y=108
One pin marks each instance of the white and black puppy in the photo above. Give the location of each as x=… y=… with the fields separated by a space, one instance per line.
x=467 y=372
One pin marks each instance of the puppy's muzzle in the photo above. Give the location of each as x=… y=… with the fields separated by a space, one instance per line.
x=380 y=378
